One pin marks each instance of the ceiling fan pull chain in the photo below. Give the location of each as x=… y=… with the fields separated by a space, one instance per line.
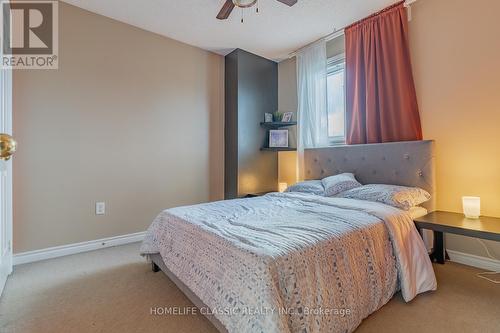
x=241 y=15
x=257 y=10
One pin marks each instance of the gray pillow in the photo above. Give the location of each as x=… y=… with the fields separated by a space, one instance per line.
x=339 y=183
x=308 y=186
x=397 y=196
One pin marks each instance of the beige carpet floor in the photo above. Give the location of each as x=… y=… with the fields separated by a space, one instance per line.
x=113 y=290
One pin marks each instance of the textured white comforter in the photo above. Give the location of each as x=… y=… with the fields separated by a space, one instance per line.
x=292 y=262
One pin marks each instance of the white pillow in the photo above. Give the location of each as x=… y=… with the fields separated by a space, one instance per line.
x=417 y=211
x=339 y=183
x=402 y=197
x=309 y=186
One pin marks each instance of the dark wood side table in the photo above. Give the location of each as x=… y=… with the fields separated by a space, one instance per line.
x=259 y=194
x=441 y=222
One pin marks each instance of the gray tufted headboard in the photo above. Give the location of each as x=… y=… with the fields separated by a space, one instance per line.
x=409 y=163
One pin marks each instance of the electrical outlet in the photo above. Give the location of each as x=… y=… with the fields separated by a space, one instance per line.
x=100 y=208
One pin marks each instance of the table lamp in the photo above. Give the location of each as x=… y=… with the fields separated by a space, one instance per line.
x=471 y=207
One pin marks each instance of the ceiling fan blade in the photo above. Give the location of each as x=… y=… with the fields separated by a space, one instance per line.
x=227 y=8
x=288 y=2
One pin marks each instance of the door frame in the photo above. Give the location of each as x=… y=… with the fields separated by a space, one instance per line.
x=6 y=181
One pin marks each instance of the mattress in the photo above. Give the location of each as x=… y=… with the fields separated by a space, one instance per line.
x=290 y=262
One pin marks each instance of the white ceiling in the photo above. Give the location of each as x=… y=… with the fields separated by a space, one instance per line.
x=274 y=32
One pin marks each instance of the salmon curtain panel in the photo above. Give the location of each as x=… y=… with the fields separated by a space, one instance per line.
x=381 y=102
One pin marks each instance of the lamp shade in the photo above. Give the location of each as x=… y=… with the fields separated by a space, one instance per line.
x=471 y=207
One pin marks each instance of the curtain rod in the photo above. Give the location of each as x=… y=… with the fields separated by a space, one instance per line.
x=339 y=32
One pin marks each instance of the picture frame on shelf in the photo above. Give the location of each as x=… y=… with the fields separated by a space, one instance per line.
x=268 y=117
x=287 y=117
x=278 y=138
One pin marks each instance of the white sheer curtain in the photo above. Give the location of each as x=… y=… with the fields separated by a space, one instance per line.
x=312 y=100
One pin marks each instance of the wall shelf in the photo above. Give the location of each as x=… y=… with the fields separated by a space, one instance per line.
x=278 y=124
x=277 y=149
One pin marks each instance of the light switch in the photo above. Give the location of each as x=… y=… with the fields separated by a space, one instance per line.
x=100 y=208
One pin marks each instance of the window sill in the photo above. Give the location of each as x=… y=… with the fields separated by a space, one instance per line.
x=336 y=142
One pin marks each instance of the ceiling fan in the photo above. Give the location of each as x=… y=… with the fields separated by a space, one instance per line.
x=229 y=5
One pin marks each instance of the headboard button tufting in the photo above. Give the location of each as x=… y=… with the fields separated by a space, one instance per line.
x=409 y=163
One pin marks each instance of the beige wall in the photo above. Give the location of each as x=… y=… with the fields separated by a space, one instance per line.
x=130 y=118
x=456 y=63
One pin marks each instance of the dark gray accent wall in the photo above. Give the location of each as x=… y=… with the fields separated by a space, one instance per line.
x=251 y=89
x=231 y=127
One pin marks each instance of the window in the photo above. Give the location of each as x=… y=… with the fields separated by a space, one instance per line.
x=336 y=99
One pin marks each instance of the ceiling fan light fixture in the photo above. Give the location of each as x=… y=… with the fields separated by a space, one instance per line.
x=244 y=3
x=229 y=5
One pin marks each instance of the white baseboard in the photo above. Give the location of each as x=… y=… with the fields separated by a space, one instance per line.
x=474 y=261
x=65 y=250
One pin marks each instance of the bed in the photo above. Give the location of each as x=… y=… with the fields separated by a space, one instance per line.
x=296 y=262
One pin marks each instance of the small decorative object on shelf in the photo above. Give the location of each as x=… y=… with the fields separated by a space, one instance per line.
x=277 y=116
x=287 y=117
x=268 y=117
x=278 y=139
x=471 y=207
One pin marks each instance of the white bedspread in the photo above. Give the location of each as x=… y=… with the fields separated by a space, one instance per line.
x=276 y=263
